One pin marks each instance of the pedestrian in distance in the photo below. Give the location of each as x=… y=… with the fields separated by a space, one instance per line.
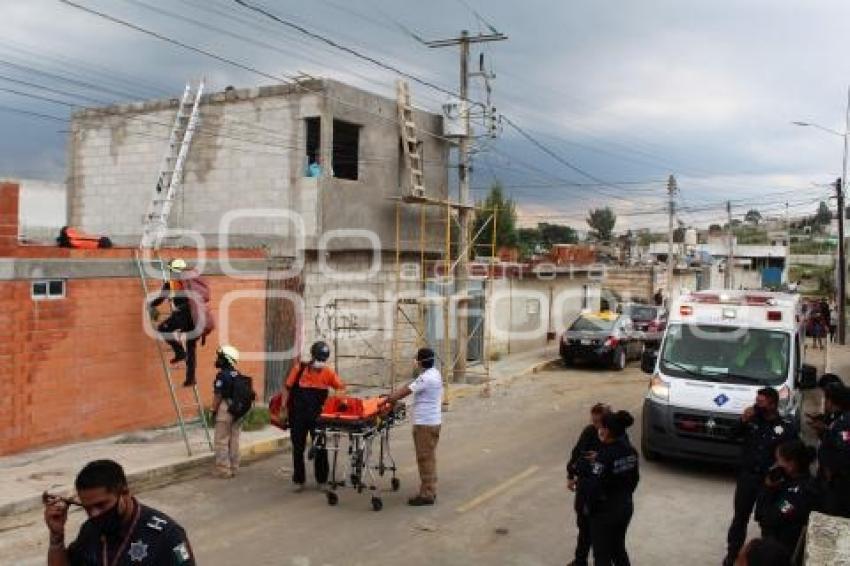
x=427 y=391
x=578 y=472
x=614 y=476
x=833 y=322
x=834 y=453
x=233 y=397
x=763 y=552
x=818 y=330
x=762 y=429
x=190 y=319
x=119 y=529
x=305 y=392
x=788 y=496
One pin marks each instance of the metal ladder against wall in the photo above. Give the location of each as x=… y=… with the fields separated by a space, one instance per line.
x=181 y=410
x=409 y=140
x=170 y=179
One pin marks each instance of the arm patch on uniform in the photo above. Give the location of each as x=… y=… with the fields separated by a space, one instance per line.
x=181 y=553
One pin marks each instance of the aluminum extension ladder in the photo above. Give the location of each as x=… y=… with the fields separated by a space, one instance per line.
x=196 y=406
x=170 y=179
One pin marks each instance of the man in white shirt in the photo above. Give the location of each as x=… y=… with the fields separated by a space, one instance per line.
x=427 y=390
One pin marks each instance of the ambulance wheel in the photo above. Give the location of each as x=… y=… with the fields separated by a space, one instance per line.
x=377 y=504
x=396 y=484
x=619 y=361
x=333 y=498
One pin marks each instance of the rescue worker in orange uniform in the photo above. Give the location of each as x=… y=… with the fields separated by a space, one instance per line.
x=305 y=391
x=180 y=319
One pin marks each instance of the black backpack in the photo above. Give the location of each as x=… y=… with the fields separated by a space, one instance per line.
x=242 y=396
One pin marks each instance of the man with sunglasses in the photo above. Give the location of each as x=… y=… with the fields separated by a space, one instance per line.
x=119 y=529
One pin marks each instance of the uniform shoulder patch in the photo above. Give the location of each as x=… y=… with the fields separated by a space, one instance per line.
x=181 y=553
x=156 y=523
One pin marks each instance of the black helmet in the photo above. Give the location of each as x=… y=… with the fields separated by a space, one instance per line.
x=320 y=351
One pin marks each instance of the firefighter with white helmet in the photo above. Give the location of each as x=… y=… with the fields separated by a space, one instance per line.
x=233 y=397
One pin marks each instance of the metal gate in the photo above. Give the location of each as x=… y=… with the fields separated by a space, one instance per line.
x=475 y=321
x=284 y=324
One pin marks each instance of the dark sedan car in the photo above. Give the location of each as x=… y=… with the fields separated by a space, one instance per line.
x=605 y=337
x=649 y=321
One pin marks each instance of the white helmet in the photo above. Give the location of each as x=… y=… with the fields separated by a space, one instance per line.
x=229 y=353
x=177 y=265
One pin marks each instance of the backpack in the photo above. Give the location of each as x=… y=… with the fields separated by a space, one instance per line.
x=242 y=396
x=200 y=295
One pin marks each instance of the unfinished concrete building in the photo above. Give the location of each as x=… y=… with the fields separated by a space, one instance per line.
x=311 y=171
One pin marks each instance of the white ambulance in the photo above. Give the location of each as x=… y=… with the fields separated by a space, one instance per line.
x=720 y=347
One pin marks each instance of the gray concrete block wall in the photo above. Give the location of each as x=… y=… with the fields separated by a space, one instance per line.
x=249 y=152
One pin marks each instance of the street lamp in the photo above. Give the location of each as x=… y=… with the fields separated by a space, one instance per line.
x=839 y=191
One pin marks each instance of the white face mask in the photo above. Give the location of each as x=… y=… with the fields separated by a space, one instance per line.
x=317 y=364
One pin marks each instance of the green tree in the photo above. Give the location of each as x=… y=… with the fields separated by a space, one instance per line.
x=824 y=215
x=505 y=214
x=601 y=222
x=552 y=234
x=753 y=216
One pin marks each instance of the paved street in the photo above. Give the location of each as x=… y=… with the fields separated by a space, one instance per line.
x=503 y=498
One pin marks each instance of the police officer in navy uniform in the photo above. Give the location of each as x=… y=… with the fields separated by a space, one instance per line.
x=613 y=478
x=834 y=453
x=578 y=472
x=788 y=496
x=120 y=531
x=762 y=429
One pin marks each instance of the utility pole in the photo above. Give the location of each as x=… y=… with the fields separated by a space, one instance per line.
x=842 y=262
x=787 y=266
x=730 y=256
x=461 y=290
x=671 y=192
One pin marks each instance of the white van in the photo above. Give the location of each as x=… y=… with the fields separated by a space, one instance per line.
x=720 y=347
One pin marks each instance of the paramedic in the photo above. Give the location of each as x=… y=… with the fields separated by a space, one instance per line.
x=305 y=392
x=227 y=428
x=427 y=390
x=578 y=470
x=180 y=319
x=119 y=529
x=763 y=429
x=614 y=476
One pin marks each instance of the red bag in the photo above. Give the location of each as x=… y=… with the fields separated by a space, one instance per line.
x=277 y=412
x=199 y=301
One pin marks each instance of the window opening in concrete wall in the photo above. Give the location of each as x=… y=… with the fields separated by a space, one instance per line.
x=313 y=127
x=52 y=289
x=346 y=150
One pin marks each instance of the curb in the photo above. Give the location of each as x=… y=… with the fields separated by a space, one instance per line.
x=158 y=476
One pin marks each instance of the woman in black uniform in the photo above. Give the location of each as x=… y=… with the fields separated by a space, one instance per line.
x=613 y=479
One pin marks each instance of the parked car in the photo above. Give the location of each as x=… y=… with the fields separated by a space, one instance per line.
x=604 y=337
x=650 y=322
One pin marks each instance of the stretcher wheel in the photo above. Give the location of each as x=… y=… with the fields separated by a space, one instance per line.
x=395 y=483
x=377 y=504
x=333 y=498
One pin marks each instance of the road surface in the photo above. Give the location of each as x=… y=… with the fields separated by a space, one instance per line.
x=502 y=495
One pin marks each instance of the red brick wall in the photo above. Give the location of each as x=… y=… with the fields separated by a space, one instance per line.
x=82 y=367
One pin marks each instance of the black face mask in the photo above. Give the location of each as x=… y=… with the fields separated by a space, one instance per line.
x=109 y=522
x=760 y=411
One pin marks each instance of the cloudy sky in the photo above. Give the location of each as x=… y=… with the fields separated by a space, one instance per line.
x=621 y=93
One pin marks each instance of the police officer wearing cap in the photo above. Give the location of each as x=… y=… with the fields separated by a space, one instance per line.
x=305 y=391
x=762 y=429
x=119 y=531
x=427 y=391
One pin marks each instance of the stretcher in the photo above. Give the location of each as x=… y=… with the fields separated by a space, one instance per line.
x=353 y=424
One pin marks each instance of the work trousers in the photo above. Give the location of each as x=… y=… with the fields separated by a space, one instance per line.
x=608 y=535
x=425 y=439
x=227 y=431
x=181 y=321
x=583 y=541
x=303 y=426
x=747 y=491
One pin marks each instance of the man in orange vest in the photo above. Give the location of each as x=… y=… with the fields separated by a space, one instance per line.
x=180 y=319
x=305 y=391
